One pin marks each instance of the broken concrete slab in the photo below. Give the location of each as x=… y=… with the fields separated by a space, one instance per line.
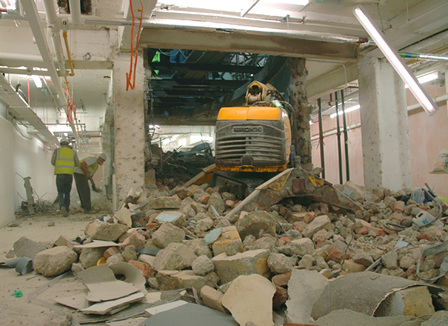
x=175 y=256
x=191 y=315
x=25 y=247
x=103 y=285
x=371 y=290
x=304 y=289
x=164 y=307
x=166 y=234
x=54 y=261
x=249 y=262
x=108 y=306
x=174 y=280
x=124 y=216
x=77 y=301
x=249 y=299
x=98 y=230
x=299 y=247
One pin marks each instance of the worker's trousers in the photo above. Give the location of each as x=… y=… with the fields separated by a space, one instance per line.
x=64 y=186
x=82 y=185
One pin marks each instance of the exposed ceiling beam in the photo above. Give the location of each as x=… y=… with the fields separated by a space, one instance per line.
x=205 y=67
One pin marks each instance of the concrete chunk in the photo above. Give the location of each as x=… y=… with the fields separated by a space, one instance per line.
x=229 y=240
x=174 y=257
x=319 y=223
x=414 y=301
x=164 y=202
x=246 y=263
x=173 y=280
x=299 y=247
x=202 y=265
x=256 y=224
x=54 y=261
x=166 y=234
x=25 y=247
x=279 y=263
x=98 y=230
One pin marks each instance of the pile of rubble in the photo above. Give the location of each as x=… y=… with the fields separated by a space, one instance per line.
x=263 y=265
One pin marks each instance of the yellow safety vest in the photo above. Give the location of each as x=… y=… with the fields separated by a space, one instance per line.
x=91 y=168
x=65 y=162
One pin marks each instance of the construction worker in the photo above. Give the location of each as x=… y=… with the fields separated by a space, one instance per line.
x=84 y=172
x=64 y=160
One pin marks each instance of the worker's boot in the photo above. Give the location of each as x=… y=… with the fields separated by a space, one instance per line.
x=64 y=211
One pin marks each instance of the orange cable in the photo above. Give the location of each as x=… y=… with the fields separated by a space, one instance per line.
x=129 y=75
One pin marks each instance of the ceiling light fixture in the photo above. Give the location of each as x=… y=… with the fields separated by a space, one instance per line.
x=37 y=81
x=394 y=58
x=427 y=78
x=350 y=109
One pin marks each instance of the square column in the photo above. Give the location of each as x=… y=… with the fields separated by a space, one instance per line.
x=384 y=120
x=129 y=123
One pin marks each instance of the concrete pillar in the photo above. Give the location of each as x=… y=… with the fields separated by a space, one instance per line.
x=299 y=101
x=107 y=148
x=385 y=131
x=129 y=119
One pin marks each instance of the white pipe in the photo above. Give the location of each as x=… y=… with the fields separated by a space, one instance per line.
x=437 y=100
x=53 y=25
x=75 y=12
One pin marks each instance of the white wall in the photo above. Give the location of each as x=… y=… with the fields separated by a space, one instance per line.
x=27 y=158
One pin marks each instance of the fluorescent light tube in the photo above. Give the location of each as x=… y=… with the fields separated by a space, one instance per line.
x=37 y=81
x=350 y=109
x=395 y=60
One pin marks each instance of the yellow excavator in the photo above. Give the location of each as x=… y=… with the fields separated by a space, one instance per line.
x=253 y=146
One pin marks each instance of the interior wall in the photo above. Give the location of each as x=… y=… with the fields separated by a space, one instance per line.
x=428 y=136
x=22 y=157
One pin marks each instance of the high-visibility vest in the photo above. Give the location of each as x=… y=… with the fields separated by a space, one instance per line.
x=91 y=168
x=65 y=162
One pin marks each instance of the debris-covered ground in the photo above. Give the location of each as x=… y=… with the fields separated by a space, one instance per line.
x=175 y=257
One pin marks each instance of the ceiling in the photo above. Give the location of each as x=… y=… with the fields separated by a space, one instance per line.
x=221 y=46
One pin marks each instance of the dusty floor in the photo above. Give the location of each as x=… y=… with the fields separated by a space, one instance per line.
x=18 y=311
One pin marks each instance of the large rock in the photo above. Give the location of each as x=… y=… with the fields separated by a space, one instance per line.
x=217 y=202
x=98 y=230
x=249 y=299
x=256 y=223
x=354 y=191
x=319 y=223
x=246 y=263
x=54 y=261
x=164 y=202
x=166 y=234
x=25 y=247
x=174 y=257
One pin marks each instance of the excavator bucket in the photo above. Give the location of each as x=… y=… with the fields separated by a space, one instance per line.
x=296 y=182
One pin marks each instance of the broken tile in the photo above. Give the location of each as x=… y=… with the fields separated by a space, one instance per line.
x=164 y=307
x=249 y=299
x=106 y=307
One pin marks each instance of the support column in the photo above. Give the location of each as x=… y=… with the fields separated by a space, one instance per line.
x=129 y=121
x=298 y=99
x=385 y=131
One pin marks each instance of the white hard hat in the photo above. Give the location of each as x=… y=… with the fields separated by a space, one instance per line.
x=64 y=141
x=102 y=156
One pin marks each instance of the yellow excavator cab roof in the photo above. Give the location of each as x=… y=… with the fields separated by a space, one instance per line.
x=250 y=113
